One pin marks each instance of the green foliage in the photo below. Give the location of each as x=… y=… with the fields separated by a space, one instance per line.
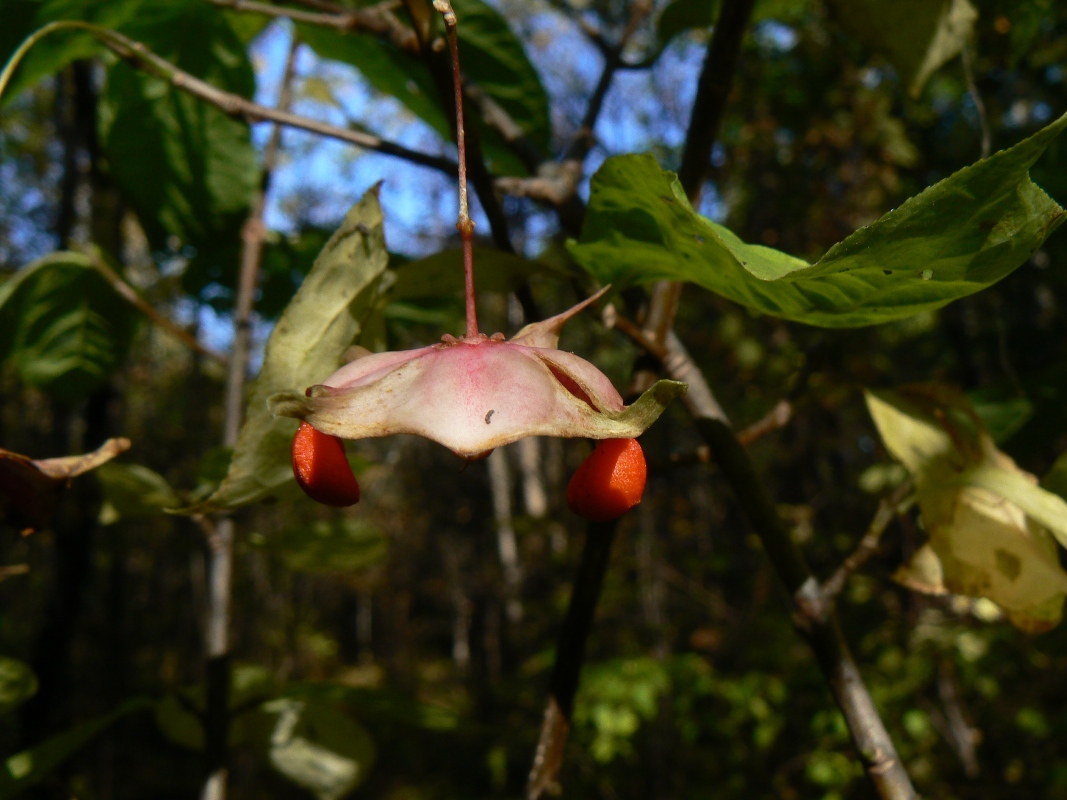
x=17 y=684
x=441 y=274
x=133 y=490
x=28 y=767
x=989 y=523
x=62 y=326
x=323 y=318
x=340 y=546
x=317 y=747
x=385 y=635
x=23 y=17
x=492 y=58
x=957 y=237
x=202 y=161
x=309 y=742
x=682 y=15
x=917 y=36
x=179 y=715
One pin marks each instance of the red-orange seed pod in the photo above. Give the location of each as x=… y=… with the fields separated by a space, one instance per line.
x=610 y=482
x=321 y=468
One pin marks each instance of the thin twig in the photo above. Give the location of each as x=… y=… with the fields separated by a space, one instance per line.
x=888 y=508
x=778 y=417
x=236 y=106
x=976 y=98
x=220 y=541
x=570 y=653
x=959 y=733
x=814 y=617
x=583 y=140
x=676 y=361
x=130 y=295
x=378 y=19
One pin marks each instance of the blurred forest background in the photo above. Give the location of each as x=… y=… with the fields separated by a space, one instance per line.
x=416 y=631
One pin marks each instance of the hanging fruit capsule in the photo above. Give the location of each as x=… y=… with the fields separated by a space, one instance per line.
x=610 y=482
x=321 y=468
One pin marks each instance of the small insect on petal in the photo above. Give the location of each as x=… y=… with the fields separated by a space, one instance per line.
x=610 y=482
x=321 y=468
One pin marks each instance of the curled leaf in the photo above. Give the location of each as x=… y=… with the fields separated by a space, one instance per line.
x=990 y=525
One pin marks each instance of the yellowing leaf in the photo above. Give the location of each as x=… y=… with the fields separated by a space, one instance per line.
x=989 y=522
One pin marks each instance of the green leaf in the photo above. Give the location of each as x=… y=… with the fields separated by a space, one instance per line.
x=442 y=273
x=1056 y=479
x=131 y=491
x=203 y=166
x=683 y=15
x=17 y=684
x=317 y=747
x=202 y=163
x=388 y=69
x=52 y=54
x=62 y=326
x=342 y=545
x=193 y=35
x=955 y=238
x=24 y=769
x=917 y=36
x=493 y=59
x=306 y=345
x=178 y=716
x=1001 y=417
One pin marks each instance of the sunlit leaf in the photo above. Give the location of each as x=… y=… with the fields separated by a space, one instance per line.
x=307 y=344
x=990 y=525
x=917 y=36
x=318 y=747
x=17 y=683
x=955 y=238
x=62 y=326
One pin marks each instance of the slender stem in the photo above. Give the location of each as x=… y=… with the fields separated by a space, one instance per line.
x=130 y=295
x=777 y=417
x=888 y=508
x=221 y=536
x=465 y=224
x=232 y=104
x=814 y=615
x=570 y=653
x=376 y=19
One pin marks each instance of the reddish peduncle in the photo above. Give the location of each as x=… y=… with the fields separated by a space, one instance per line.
x=465 y=224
